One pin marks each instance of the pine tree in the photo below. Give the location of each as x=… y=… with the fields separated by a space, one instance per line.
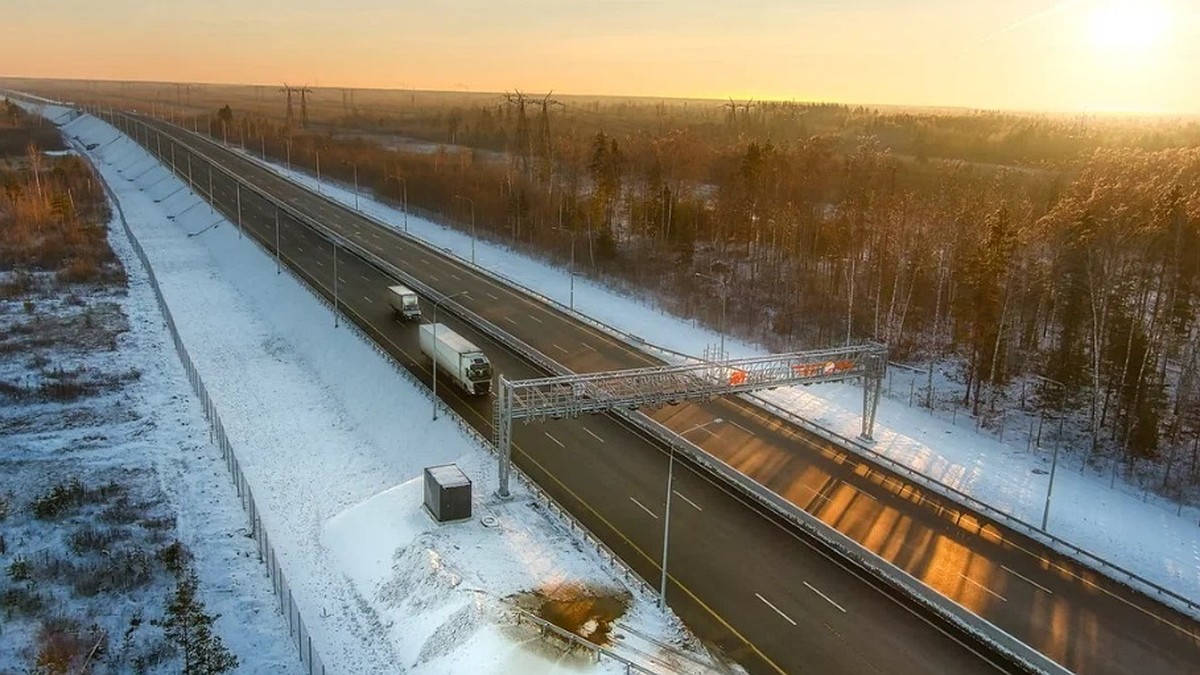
x=190 y=628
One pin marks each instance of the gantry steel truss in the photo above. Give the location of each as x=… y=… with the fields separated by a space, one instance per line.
x=571 y=395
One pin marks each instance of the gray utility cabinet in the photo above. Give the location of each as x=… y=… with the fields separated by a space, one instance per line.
x=447 y=493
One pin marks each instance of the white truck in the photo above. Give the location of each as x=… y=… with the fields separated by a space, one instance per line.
x=405 y=302
x=462 y=360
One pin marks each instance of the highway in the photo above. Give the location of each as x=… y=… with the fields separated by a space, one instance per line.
x=768 y=596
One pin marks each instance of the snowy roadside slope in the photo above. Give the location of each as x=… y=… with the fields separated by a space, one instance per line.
x=149 y=438
x=209 y=518
x=1138 y=532
x=312 y=411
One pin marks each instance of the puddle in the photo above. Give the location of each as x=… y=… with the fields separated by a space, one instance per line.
x=586 y=612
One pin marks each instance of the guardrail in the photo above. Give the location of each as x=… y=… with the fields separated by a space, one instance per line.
x=297 y=628
x=987 y=632
x=602 y=550
x=597 y=650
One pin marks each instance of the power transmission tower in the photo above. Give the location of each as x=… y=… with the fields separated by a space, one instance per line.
x=523 y=144
x=304 y=91
x=291 y=116
x=545 y=144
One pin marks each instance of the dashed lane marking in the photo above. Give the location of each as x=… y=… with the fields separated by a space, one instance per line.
x=970 y=580
x=826 y=597
x=643 y=507
x=777 y=610
x=694 y=504
x=1018 y=575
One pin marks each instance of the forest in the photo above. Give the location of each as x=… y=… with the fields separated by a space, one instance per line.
x=1045 y=261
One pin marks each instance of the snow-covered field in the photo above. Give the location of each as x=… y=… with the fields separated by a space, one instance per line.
x=137 y=445
x=1135 y=530
x=319 y=421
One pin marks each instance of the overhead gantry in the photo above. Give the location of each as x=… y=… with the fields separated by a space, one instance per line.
x=562 y=396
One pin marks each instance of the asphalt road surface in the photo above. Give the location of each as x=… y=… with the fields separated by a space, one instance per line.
x=768 y=596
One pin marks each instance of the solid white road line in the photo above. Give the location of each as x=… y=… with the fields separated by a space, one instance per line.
x=1017 y=574
x=589 y=433
x=560 y=444
x=643 y=506
x=777 y=610
x=983 y=587
x=694 y=504
x=814 y=590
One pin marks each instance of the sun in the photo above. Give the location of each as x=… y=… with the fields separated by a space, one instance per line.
x=1129 y=26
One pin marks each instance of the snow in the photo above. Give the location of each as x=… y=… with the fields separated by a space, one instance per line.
x=311 y=412
x=1124 y=525
x=309 y=407
x=149 y=436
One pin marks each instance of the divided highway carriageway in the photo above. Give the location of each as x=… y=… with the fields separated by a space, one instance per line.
x=768 y=594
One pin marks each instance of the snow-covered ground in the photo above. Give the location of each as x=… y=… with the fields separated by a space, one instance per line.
x=138 y=445
x=1135 y=530
x=279 y=346
x=318 y=419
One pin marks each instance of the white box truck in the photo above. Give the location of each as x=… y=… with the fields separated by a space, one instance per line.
x=457 y=357
x=405 y=302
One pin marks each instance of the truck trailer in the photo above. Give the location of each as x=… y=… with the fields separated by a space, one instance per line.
x=465 y=363
x=405 y=302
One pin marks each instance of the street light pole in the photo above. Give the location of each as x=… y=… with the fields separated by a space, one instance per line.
x=1050 y=487
x=572 y=268
x=472 y=203
x=662 y=589
x=238 y=185
x=435 y=346
x=724 y=299
x=335 y=285
x=402 y=183
x=356 y=187
x=276 y=240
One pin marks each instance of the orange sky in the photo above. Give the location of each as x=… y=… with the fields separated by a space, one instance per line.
x=1128 y=55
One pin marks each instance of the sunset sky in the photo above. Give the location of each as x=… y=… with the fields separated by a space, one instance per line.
x=1119 y=55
